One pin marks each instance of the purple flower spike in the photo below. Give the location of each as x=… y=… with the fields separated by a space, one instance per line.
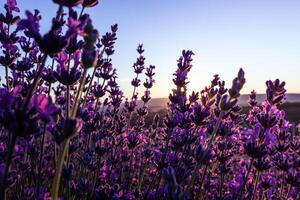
x=45 y=107
x=252 y=99
x=93 y=142
x=237 y=84
x=275 y=91
x=31 y=24
x=12 y=5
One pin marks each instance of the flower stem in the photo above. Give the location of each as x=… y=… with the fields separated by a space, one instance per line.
x=59 y=12
x=78 y=95
x=56 y=181
x=214 y=133
x=255 y=185
x=198 y=165
x=92 y=78
x=49 y=87
x=35 y=83
x=6 y=77
x=65 y=145
x=81 y=12
x=245 y=180
x=68 y=90
x=206 y=150
x=89 y=87
x=202 y=179
x=288 y=192
x=221 y=185
x=282 y=186
x=6 y=67
x=41 y=161
x=7 y=165
x=141 y=176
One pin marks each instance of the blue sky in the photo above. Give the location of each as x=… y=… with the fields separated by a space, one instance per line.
x=262 y=36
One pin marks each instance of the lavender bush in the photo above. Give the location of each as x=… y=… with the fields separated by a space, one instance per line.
x=66 y=131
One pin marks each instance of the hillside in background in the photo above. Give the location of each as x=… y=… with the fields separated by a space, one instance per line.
x=160 y=103
x=291 y=106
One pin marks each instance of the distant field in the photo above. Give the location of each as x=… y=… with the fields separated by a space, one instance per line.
x=292 y=112
x=159 y=103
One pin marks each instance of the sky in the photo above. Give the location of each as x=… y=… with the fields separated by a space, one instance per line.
x=261 y=36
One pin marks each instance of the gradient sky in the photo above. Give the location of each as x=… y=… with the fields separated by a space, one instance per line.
x=261 y=36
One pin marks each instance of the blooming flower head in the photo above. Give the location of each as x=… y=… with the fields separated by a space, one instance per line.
x=30 y=24
x=237 y=84
x=45 y=107
x=275 y=91
x=108 y=146
x=12 y=5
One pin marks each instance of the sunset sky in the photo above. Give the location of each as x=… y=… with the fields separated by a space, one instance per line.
x=261 y=36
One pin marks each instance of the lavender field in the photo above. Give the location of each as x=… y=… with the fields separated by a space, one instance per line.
x=68 y=131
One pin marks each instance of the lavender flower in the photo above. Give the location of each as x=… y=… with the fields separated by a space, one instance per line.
x=93 y=142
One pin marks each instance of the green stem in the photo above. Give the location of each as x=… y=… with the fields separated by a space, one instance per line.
x=261 y=195
x=65 y=145
x=282 y=185
x=35 y=83
x=245 y=180
x=141 y=176
x=96 y=177
x=81 y=12
x=202 y=179
x=7 y=165
x=129 y=178
x=6 y=77
x=59 y=12
x=78 y=95
x=288 y=192
x=56 y=181
x=198 y=165
x=6 y=67
x=212 y=138
x=41 y=161
x=221 y=185
x=55 y=154
x=68 y=90
x=92 y=78
x=255 y=185
x=89 y=87
x=49 y=87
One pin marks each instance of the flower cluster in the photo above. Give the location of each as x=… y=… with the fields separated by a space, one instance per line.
x=67 y=130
